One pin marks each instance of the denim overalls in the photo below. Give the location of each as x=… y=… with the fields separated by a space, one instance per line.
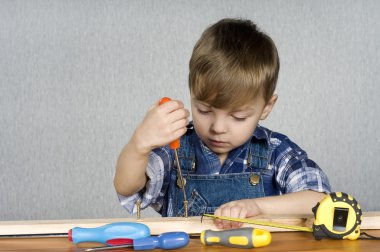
x=205 y=193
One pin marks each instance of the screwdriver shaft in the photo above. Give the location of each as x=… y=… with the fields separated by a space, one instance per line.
x=182 y=183
x=110 y=247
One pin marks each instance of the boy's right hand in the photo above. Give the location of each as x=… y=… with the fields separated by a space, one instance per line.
x=161 y=125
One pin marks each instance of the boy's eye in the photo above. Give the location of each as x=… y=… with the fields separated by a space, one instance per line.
x=203 y=112
x=240 y=119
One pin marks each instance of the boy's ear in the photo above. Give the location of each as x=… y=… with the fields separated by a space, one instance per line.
x=268 y=107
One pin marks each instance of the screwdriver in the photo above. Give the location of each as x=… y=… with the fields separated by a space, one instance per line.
x=169 y=240
x=111 y=234
x=237 y=238
x=174 y=146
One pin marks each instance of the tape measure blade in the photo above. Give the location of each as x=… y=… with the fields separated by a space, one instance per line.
x=263 y=223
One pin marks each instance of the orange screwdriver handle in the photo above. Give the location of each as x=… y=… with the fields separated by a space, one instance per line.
x=175 y=144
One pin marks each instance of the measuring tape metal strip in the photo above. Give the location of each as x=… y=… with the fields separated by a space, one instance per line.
x=262 y=223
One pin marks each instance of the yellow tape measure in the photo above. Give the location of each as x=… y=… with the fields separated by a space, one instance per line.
x=337 y=216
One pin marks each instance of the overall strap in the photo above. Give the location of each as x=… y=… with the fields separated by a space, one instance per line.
x=258 y=155
x=186 y=153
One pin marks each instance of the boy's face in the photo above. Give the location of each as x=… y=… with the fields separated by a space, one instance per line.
x=222 y=130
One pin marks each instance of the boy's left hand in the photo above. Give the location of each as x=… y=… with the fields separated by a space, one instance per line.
x=236 y=209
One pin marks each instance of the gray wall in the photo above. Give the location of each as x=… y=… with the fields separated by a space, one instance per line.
x=76 y=77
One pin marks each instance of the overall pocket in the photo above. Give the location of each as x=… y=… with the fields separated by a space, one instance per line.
x=196 y=205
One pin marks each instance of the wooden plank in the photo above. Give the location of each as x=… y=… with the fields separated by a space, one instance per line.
x=192 y=225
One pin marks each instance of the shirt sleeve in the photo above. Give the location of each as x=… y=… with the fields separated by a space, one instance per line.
x=152 y=193
x=296 y=172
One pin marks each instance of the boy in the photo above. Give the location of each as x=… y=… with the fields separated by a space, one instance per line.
x=231 y=165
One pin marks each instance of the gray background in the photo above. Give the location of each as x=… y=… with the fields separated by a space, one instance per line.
x=76 y=77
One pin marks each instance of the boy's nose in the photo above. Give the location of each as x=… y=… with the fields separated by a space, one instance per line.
x=219 y=126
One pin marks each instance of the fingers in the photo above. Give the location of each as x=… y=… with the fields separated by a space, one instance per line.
x=171 y=106
x=218 y=222
x=225 y=212
x=179 y=128
x=230 y=210
x=173 y=111
x=242 y=215
x=179 y=116
x=164 y=123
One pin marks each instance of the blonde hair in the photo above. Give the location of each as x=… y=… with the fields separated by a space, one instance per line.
x=232 y=63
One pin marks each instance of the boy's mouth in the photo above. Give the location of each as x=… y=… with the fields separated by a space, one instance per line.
x=216 y=143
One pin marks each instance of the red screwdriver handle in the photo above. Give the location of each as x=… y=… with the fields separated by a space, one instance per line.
x=175 y=144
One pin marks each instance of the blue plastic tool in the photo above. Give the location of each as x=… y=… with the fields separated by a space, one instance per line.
x=169 y=240
x=111 y=234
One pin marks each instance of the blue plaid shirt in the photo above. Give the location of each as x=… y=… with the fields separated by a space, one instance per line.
x=294 y=171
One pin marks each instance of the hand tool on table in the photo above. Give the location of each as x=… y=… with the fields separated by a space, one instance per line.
x=337 y=216
x=107 y=234
x=181 y=182
x=237 y=238
x=116 y=233
x=169 y=240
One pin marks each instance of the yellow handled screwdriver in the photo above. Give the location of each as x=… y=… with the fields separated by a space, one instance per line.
x=237 y=238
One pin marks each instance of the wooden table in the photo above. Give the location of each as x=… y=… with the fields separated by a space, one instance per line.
x=281 y=241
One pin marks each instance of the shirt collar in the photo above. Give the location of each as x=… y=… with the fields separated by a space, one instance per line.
x=261 y=133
